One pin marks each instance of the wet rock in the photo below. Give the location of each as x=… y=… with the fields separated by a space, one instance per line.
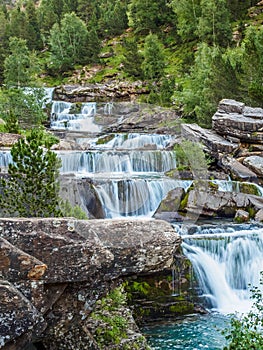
x=255 y=163
x=168 y=208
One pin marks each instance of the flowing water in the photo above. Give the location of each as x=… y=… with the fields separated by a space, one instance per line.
x=128 y=172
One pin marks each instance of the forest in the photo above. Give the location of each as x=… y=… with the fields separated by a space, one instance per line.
x=191 y=53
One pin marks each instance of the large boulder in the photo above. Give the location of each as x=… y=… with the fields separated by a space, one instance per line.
x=61 y=267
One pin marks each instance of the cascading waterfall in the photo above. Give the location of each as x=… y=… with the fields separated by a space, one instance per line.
x=225 y=264
x=117 y=161
x=65 y=115
x=135 y=197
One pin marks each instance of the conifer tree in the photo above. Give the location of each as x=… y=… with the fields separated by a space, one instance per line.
x=154 y=63
x=132 y=58
x=31 y=188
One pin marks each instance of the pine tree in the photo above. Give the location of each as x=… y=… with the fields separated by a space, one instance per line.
x=17 y=66
x=34 y=41
x=153 y=64
x=214 y=25
x=132 y=59
x=68 y=42
x=31 y=188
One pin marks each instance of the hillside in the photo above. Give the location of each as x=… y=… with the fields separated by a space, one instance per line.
x=191 y=54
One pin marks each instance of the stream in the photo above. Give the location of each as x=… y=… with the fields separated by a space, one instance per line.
x=129 y=170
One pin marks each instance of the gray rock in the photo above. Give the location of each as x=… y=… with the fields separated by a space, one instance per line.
x=238 y=126
x=237 y=170
x=255 y=163
x=259 y=215
x=241 y=216
x=251 y=112
x=214 y=142
x=231 y=106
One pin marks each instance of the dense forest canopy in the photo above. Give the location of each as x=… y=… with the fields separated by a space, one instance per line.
x=191 y=53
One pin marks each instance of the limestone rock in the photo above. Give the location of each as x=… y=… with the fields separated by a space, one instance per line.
x=259 y=215
x=168 y=208
x=255 y=163
x=241 y=216
x=237 y=125
x=7 y=140
x=221 y=204
x=215 y=143
x=237 y=170
x=231 y=106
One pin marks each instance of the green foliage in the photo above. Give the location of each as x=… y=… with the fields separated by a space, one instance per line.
x=245 y=332
x=68 y=42
x=72 y=211
x=133 y=59
x=18 y=66
x=21 y=108
x=214 y=25
x=31 y=188
x=154 y=61
x=190 y=156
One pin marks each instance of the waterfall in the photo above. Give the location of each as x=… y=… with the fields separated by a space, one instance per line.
x=226 y=262
x=70 y=116
x=135 y=197
x=117 y=162
x=133 y=141
x=5 y=159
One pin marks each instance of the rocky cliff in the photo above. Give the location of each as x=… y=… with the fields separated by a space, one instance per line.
x=53 y=272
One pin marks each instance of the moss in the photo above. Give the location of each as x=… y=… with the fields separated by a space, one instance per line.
x=105 y=139
x=249 y=188
x=184 y=202
x=182 y=308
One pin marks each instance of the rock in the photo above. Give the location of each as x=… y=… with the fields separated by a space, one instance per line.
x=259 y=215
x=111 y=91
x=237 y=170
x=215 y=143
x=255 y=163
x=237 y=125
x=78 y=262
x=169 y=206
x=231 y=106
x=18 y=317
x=220 y=204
x=82 y=193
x=241 y=216
x=251 y=112
x=16 y=265
x=7 y=140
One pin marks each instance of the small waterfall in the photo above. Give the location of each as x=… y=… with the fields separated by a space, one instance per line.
x=5 y=159
x=117 y=162
x=133 y=141
x=135 y=197
x=226 y=262
x=70 y=116
x=238 y=186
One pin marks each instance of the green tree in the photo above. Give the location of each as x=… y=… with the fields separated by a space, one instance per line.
x=32 y=188
x=214 y=25
x=3 y=43
x=252 y=66
x=33 y=37
x=21 y=109
x=148 y=15
x=133 y=59
x=154 y=60
x=68 y=42
x=114 y=19
x=245 y=332
x=20 y=65
x=18 y=25
x=188 y=13
x=212 y=78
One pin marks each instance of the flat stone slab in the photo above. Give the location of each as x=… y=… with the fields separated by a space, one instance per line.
x=237 y=170
x=255 y=163
x=209 y=138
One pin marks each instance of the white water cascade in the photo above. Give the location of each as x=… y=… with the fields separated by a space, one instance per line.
x=226 y=261
x=70 y=116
